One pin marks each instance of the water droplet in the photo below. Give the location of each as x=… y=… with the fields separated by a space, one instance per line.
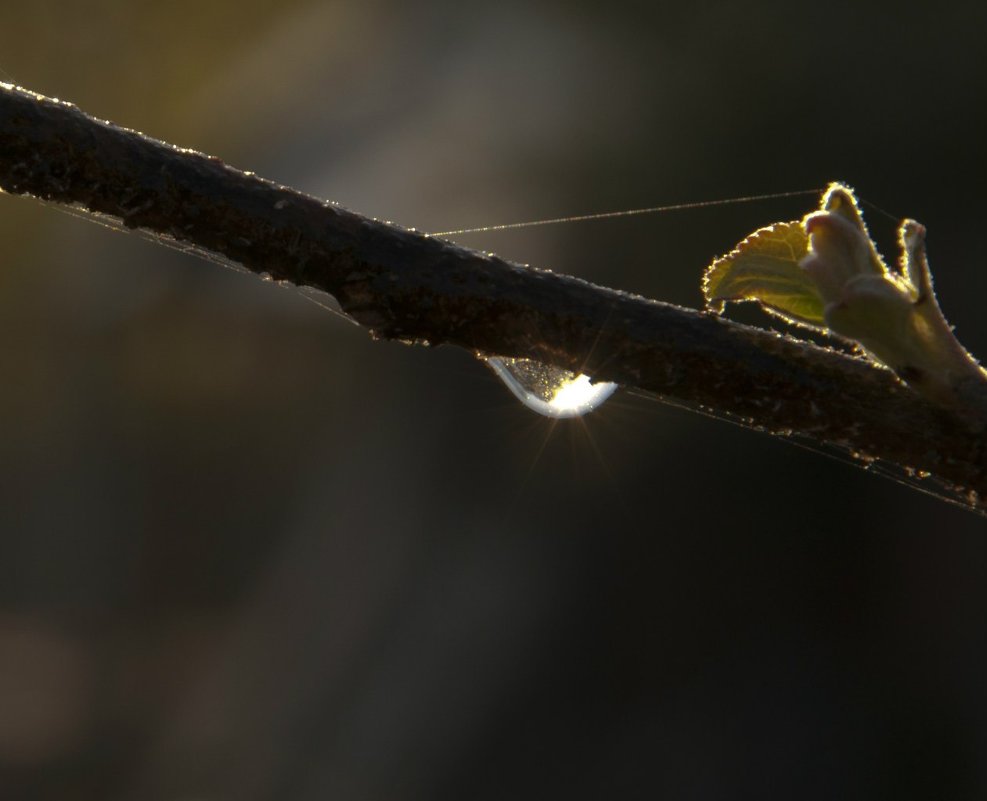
x=551 y=391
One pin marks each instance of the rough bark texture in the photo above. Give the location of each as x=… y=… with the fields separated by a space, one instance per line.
x=404 y=285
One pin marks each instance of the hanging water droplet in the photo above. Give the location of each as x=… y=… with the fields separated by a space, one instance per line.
x=551 y=391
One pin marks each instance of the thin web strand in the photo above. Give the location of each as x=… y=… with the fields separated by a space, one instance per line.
x=112 y=223
x=877 y=467
x=606 y=215
x=894 y=218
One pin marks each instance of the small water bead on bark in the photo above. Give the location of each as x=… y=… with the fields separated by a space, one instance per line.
x=550 y=391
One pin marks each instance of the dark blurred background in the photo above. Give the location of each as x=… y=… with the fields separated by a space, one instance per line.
x=246 y=553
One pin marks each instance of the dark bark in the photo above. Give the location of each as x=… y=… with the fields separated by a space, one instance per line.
x=407 y=286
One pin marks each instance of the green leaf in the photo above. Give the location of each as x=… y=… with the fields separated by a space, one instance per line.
x=765 y=268
x=824 y=272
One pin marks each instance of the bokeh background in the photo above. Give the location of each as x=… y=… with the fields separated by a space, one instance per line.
x=246 y=553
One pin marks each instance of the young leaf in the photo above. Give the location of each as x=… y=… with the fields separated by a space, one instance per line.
x=825 y=272
x=765 y=268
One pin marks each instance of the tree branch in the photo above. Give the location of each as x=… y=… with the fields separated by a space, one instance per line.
x=404 y=285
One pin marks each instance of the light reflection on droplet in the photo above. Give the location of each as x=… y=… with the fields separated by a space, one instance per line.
x=550 y=391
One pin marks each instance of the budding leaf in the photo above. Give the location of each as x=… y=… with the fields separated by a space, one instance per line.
x=824 y=272
x=765 y=268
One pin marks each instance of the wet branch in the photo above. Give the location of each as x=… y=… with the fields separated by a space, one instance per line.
x=406 y=286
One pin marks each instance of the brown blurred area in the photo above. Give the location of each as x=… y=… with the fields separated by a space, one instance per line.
x=248 y=554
